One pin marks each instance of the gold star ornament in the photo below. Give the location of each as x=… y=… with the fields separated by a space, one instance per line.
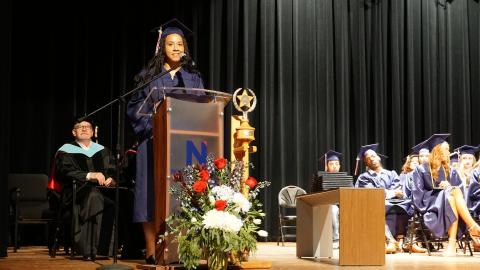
x=245 y=99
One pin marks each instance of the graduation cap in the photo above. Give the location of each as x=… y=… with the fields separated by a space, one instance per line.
x=365 y=149
x=421 y=147
x=172 y=26
x=330 y=155
x=467 y=149
x=431 y=142
x=453 y=157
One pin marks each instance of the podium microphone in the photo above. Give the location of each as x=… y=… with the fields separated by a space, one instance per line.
x=185 y=60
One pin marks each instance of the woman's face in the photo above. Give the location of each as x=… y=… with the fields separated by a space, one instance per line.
x=423 y=156
x=333 y=166
x=467 y=161
x=413 y=163
x=174 y=48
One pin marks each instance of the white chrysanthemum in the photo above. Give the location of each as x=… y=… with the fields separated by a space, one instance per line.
x=212 y=200
x=223 y=192
x=194 y=220
x=225 y=221
x=257 y=221
x=242 y=203
x=262 y=233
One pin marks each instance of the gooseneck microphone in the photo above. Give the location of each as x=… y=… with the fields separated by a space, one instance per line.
x=185 y=60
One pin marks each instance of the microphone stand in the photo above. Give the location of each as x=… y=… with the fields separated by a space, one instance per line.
x=119 y=148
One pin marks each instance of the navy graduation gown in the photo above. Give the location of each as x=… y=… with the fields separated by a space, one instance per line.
x=433 y=203
x=143 y=125
x=472 y=196
x=389 y=181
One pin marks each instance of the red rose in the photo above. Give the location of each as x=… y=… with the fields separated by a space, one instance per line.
x=220 y=163
x=204 y=175
x=220 y=205
x=199 y=186
x=251 y=182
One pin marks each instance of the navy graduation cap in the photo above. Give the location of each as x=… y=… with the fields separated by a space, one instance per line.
x=467 y=149
x=330 y=155
x=453 y=157
x=172 y=26
x=420 y=147
x=363 y=151
x=431 y=142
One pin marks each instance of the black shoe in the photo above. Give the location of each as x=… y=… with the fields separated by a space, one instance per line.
x=150 y=260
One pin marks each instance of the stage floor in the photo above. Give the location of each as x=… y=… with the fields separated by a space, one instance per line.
x=30 y=258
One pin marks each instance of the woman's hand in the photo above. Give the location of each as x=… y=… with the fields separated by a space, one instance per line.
x=444 y=184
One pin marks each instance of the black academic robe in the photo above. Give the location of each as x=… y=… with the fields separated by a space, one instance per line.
x=95 y=212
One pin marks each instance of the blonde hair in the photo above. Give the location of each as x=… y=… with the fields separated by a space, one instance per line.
x=476 y=165
x=436 y=162
x=465 y=173
x=406 y=166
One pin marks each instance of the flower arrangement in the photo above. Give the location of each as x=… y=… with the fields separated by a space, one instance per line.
x=216 y=221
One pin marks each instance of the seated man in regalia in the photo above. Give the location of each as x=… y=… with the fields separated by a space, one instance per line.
x=398 y=208
x=91 y=165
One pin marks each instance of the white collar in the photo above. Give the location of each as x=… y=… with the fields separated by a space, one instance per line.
x=83 y=146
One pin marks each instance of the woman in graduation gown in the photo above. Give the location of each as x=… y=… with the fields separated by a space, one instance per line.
x=171 y=47
x=437 y=195
x=405 y=177
x=466 y=170
x=473 y=192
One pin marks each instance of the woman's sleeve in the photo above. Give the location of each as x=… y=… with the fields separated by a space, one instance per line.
x=141 y=124
x=420 y=195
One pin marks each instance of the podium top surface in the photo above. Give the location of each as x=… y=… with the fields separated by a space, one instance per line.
x=158 y=94
x=332 y=196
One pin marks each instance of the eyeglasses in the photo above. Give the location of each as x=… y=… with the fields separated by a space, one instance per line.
x=83 y=127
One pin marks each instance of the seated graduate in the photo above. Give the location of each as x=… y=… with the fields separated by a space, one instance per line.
x=332 y=165
x=471 y=185
x=454 y=160
x=397 y=207
x=467 y=160
x=90 y=165
x=411 y=162
x=423 y=153
x=437 y=195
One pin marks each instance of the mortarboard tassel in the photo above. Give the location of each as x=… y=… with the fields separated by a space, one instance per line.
x=356 y=165
x=157 y=47
x=325 y=160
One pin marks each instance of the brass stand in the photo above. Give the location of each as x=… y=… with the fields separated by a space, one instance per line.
x=242 y=135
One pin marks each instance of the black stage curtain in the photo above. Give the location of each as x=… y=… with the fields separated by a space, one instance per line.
x=5 y=91
x=329 y=74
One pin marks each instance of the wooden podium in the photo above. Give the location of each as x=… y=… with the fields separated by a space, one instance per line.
x=362 y=225
x=187 y=124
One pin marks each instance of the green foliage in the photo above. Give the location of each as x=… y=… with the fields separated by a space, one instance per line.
x=200 y=234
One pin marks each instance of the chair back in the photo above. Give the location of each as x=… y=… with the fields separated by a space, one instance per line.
x=32 y=191
x=287 y=197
